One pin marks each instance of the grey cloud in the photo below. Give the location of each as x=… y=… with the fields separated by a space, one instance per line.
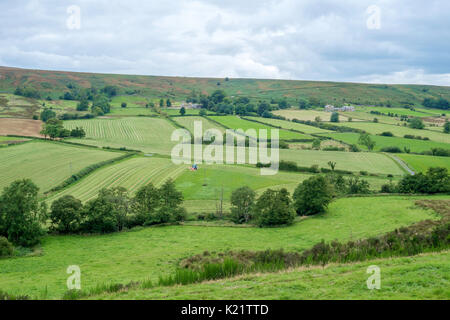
x=310 y=39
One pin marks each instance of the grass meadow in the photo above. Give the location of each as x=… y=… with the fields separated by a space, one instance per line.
x=291 y=125
x=398 y=131
x=375 y=163
x=235 y=123
x=421 y=163
x=150 y=252
x=383 y=142
x=129 y=173
x=405 y=278
x=46 y=163
x=141 y=133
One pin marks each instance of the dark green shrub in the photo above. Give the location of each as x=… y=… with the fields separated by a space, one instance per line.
x=273 y=208
x=6 y=248
x=391 y=150
x=312 y=196
x=65 y=215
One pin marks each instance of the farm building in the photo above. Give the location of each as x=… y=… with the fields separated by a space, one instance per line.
x=331 y=108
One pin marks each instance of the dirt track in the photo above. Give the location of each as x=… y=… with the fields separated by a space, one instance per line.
x=20 y=127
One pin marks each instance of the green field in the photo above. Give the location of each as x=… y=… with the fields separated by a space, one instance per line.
x=423 y=277
x=235 y=123
x=12 y=106
x=421 y=163
x=150 y=252
x=130 y=174
x=136 y=106
x=291 y=125
x=305 y=115
x=403 y=111
x=383 y=142
x=151 y=135
x=189 y=112
x=188 y=123
x=230 y=178
x=352 y=161
x=398 y=131
x=46 y=163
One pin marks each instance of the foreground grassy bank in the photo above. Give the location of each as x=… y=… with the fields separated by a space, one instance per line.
x=151 y=252
x=419 y=277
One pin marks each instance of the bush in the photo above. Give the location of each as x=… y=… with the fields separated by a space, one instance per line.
x=312 y=196
x=357 y=186
x=436 y=180
x=20 y=213
x=6 y=248
x=416 y=123
x=388 y=188
x=387 y=134
x=273 y=208
x=65 y=215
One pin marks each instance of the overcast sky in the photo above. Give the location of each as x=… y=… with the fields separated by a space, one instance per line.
x=387 y=41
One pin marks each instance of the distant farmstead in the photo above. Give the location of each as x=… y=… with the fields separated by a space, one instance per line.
x=191 y=106
x=331 y=108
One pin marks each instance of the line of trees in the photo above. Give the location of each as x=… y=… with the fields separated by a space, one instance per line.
x=219 y=102
x=54 y=128
x=435 y=180
x=23 y=218
x=276 y=207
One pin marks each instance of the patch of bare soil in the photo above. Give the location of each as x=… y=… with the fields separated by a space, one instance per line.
x=20 y=127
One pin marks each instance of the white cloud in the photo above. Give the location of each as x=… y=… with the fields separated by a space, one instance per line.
x=412 y=76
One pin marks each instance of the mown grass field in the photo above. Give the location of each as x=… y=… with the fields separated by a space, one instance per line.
x=423 y=277
x=150 y=252
x=235 y=123
x=291 y=125
x=398 y=131
x=130 y=173
x=353 y=161
x=188 y=123
x=421 y=163
x=46 y=163
x=383 y=142
x=138 y=133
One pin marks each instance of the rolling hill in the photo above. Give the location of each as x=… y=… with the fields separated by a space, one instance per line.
x=54 y=84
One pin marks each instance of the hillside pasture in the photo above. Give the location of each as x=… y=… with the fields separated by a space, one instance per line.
x=306 y=115
x=151 y=135
x=421 y=163
x=151 y=252
x=398 y=131
x=352 y=161
x=47 y=164
x=188 y=123
x=190 y=112
x=383 y=142
x=130 y=174
x=235 y=123
x=291 y=125
x=12 y=106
